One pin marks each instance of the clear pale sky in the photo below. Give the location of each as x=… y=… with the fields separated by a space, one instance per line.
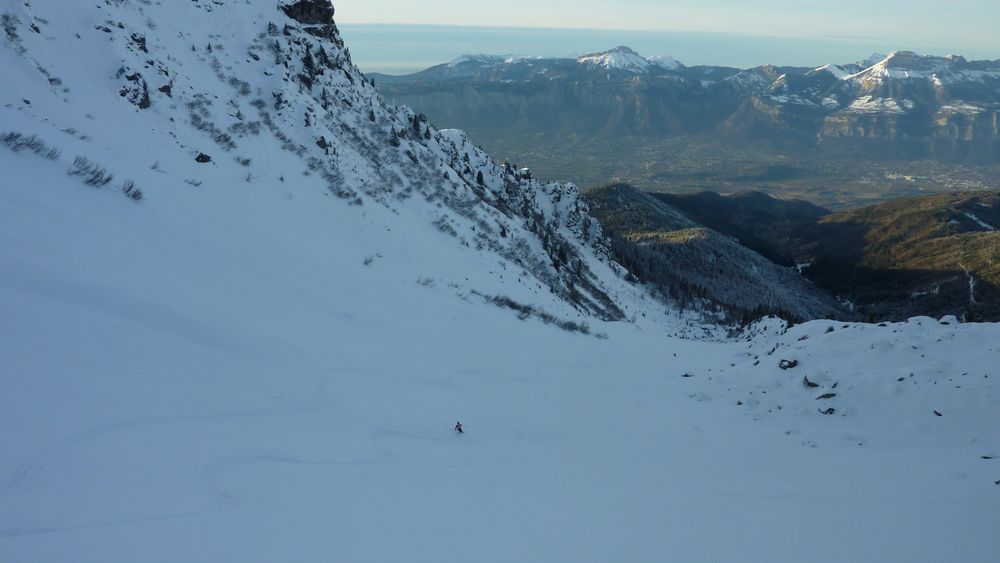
x=952 y=26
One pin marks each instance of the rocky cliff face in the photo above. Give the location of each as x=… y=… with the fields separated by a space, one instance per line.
x=913 y=106
x=310 y=12
x=277 y=101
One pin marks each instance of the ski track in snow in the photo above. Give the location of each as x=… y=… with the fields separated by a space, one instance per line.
x=127 y=425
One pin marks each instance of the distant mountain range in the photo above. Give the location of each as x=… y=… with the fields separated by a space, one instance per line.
x=902 y=104
x=565 y=114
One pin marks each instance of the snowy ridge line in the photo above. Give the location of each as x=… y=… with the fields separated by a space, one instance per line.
x=620 y=58
x=363 y=150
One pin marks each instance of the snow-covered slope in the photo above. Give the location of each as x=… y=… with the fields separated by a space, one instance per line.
x=263 y=357
x=665 y=61
x=941 y=71
x=619 y=58
x=273 y=102
x=838 y=71
x=220 y=377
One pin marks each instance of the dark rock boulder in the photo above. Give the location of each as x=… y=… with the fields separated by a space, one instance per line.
x=788 y=364
x=309 y=12
x=135 y=89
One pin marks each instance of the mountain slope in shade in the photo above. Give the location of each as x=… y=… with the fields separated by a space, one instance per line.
x=933 y=255
x=686 y=258
x=937 y=254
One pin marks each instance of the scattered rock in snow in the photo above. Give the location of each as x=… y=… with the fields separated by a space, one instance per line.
x=828 y=412
x=826 y=396
x=203 y=158
x=937 y=413
x=139 y=40
x=809 y=384
x=135 y=90
x=788 y=364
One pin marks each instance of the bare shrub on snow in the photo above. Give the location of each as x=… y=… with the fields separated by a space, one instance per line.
x=18 y=142
x=91 y=173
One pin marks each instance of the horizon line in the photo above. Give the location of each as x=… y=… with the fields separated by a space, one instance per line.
x=831 y=39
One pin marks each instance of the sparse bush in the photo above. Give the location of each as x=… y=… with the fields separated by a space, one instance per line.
x=131 y=191
x=9 y=24
x=527 y=311
x=18 y=143
x=91 y=173
x=445 y=227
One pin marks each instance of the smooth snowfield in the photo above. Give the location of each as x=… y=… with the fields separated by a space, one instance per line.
x=203 y=380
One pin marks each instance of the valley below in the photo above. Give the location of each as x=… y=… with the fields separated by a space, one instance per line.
x=693 y=165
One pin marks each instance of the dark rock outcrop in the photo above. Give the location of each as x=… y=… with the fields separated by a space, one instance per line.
x=310 y=12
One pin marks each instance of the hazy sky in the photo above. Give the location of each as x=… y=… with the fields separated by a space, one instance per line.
x=946 y=26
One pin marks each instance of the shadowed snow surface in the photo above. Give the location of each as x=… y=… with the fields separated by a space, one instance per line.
x=254 y=369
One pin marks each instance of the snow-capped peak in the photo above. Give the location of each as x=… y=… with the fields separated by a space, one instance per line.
x=902 y=58
x=907 y=65
x=666 y=62
x=480 y=60
x=874 y=59
x=836 y=70
x=619 y=58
